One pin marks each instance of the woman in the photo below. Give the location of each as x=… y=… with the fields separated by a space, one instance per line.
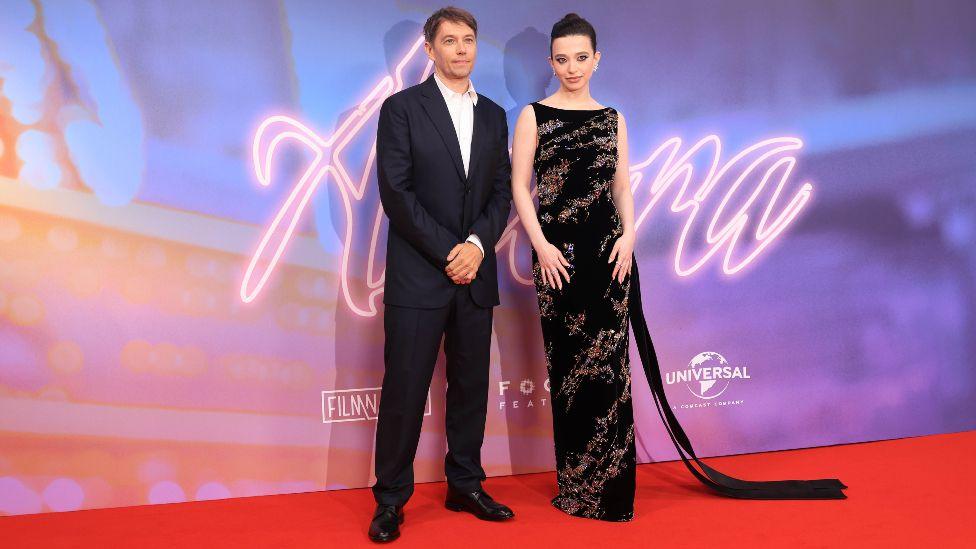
x=588 y=291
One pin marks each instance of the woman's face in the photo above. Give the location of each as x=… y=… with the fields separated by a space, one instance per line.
x=573 y=59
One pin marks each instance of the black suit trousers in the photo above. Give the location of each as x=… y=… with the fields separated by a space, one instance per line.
x=413 y=339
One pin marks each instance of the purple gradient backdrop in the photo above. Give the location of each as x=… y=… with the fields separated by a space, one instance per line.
x=132 y=373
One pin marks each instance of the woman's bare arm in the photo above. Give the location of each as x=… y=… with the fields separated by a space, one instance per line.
x=524 y=143
x=623 y=200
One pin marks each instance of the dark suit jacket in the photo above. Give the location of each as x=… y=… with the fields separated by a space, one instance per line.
x=431 y=205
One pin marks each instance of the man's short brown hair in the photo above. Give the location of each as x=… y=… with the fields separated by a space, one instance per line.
x=450 y=13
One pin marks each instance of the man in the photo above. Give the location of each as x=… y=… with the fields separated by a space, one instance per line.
x=444 y=180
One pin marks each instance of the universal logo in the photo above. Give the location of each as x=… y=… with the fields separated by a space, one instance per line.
x=529 y=394
x=343 y=405
x=708 y=376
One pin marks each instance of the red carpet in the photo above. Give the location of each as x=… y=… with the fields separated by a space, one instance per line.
x=903 y=493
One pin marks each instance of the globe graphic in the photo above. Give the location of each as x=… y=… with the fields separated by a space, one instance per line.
x=707 y=388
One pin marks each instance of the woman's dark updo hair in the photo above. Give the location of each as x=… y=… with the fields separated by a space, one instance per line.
x=572 y=25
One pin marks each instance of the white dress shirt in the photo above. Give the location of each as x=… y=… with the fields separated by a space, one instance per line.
x=461 y=108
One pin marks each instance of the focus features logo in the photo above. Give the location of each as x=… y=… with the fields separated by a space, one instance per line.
x=527 y=395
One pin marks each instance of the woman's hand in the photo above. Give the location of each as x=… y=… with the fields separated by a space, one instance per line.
x=622 y=253
x=552 y=263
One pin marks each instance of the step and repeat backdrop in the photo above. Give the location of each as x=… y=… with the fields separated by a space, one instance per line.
x=192 y=244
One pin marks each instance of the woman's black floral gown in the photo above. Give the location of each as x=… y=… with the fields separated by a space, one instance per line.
x=584 y=325
x=585 y=331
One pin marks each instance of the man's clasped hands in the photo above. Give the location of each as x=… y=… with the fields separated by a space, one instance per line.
x=463 y=262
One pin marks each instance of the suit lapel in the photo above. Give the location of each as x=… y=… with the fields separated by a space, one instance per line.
x=436 y=108
x=478 y=137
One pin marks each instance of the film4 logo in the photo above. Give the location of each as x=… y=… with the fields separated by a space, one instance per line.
x=342 y=405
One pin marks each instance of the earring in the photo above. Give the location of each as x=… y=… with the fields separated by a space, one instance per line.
x=595 y=67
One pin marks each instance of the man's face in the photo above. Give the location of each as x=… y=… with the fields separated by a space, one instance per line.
x=453 y=50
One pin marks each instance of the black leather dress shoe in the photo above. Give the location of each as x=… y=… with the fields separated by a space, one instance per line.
x=386 y=523
x=478 y=503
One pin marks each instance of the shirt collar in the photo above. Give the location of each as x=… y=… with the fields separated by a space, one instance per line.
x=448 y=93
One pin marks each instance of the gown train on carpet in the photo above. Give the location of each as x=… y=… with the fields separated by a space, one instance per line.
x=827 y=488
